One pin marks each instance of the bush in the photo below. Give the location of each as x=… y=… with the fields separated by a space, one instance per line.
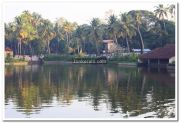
x=56 y=57
x=126 y=58
x=19 y=60
x=8 y=59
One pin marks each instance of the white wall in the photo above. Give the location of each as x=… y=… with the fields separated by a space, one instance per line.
x=172 y=59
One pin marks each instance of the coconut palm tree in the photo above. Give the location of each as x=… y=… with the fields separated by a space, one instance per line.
x=36 y=19
x=127 y=28
x=10 y=36
x=161 y=12
x=47 y=33
x=138 y=22
x=69 y=27
x=79 y=34
x=113 y=27
x=25 y=31
x=17 y=32
x=96 y=33
x=171 y=10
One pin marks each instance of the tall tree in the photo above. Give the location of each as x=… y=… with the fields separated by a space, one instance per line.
x=65 y=30
x=138 y=23
x=161 y=13
x=24 y=29
x=47 y=33
x=113 y=27
x=96 y=33
x=127 y=28
x=10 y=36
x=171 y=10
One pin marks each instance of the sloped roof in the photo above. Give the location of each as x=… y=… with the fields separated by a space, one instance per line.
x=8 y=49
x=165 y=52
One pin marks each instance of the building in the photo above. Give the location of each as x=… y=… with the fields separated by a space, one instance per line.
x=111 y=47
x=8 y=52
x=159 y=56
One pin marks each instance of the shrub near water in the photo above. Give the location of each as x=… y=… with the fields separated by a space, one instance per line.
x=56 y=57
x=9 y=59
x=127 y=58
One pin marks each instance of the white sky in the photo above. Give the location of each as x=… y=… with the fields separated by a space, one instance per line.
x=80 y=12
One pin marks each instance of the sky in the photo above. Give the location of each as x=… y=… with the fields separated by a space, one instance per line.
x=80 y=12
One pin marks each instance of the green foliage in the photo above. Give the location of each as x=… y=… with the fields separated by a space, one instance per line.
x=126 y=58
x=8 y=59
x=19 y=60
x=56 y=57
x=12 y=60
x=35 y=35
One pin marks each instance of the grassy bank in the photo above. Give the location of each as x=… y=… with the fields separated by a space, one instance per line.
x=113 y=60
x=56 y=57
x=124 y=59
x=11 y=60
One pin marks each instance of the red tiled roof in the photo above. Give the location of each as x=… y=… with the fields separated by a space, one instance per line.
x=165 y=52
x=8 y=49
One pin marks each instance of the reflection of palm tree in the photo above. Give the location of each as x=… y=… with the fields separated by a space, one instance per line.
x=123 y=94
x=143 y=84
x=29 y=98
x=113 y=97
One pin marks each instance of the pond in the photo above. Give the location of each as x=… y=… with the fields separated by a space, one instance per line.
x=88 y=91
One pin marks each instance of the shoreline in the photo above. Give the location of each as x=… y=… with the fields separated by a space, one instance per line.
x=17 y=63
x=119 y=64
x=69 y=62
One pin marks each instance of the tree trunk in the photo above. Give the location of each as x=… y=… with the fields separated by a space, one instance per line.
x=20 y=47
x=115 y=39
x=78 y=49
x=15 y=49
x=97 y=47
x=164 y=24
x=127 y=43
x=30 y=47
x=67 y=39
x=141 y=40
x=83 y=46
x=48 y=47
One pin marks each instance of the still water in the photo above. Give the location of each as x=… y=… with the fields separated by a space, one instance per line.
x=88 y=91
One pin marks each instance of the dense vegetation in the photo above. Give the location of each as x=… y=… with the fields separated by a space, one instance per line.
x=29 y=33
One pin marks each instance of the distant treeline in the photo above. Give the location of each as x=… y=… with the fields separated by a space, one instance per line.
x=29 y=33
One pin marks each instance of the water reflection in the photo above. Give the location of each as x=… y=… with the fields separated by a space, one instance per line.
x=126 y=91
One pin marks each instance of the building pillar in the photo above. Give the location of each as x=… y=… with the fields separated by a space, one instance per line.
x=149 y=63
x=158 y=62
x=159 y=65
